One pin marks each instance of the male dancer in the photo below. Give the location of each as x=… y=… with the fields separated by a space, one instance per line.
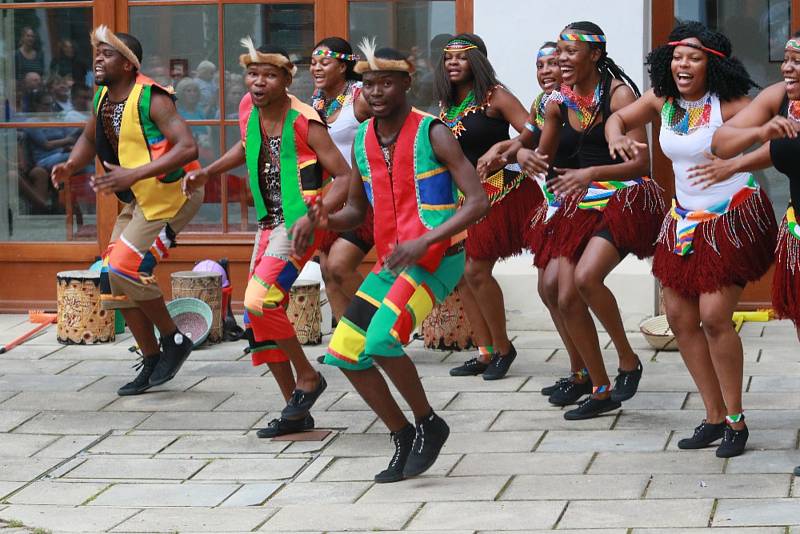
x=146 y=148
x=285 y=146
x=409 y=164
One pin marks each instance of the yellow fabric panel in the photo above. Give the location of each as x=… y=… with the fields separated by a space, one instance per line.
x=347 y=341
x=421 y=304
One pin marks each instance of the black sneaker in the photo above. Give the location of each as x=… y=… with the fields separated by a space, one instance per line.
x=500 y=365
x=626 y=383
x=733 y=442
x=174 y=351
x=704 y=435
x=592 y=407
x=321 y=359
x=549 y=390
x=141 y=383
x=796 y=471
x=471 y=367
x=300 y=402
x=430 y=436
x=281 y=427
x=403 y=441
x=569 y=392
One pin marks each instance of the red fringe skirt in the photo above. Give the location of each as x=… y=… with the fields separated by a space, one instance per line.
x=362 y=237
x=786 y=281
x=732 y=249
x=501 y=234
x=633 y=217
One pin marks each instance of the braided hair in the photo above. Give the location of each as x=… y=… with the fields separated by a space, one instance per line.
x=725 y=76
x=337 y=44
x=483 y=75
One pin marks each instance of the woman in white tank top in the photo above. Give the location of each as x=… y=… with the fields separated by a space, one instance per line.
x=337 y=98
x=715 y=239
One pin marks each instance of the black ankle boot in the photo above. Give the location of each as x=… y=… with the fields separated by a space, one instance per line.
x=403 y=440
x=175 y=348
x=733 y=442
x=704 y=435
x=141 y=383
x=432 y=432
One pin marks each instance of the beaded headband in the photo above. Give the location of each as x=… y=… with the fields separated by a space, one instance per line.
x=459 y=45
x=335 y=55
x=254 y=56
x=586 y=37
x=103 y=35
x=793 y=44
x=697 y=47
x=544 y=52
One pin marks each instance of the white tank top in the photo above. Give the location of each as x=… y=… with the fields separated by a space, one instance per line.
x=686 y=151
x=343 y=130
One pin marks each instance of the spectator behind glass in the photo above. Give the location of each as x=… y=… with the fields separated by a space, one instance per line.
x=59 y=88
x=208 y=87
x=156 y=68
x=422 y=94
x=28 y=57
x=31 y=86
x=49 y=146
x=234 y=91
x=188 y=93
x=178 y=70
x=67 y=64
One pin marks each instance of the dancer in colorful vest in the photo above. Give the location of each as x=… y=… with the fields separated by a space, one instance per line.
x=285 y=146
x=479 y=111
x=715 y=239
x=146 y=148
x=408 y=166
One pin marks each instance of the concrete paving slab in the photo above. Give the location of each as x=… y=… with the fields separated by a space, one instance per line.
x=24 y=469
x=42 y=382
x=201 y=421
x=523 y=463
x=552 y=419
x=638 y=513
x=67 y=518
x=575 y=487
x=81 y=422
x=756 y=512
x=195 y=520
x=373 y=516
x=23 y=445
x=254 y=494
x=782 y=461
x=164 y=495
x=57 y=493
x=80 y=401
x=10 y=419
x=688 y=462
x=718 y=486
x=365 y=468
x=461 y=489
x=122 y=444
x=487 y=515
x=117 y=468
x=251 y=469
x=67 y=446
x=603 y=440
x=168 y=401
x=245 y=444
x=298 y=493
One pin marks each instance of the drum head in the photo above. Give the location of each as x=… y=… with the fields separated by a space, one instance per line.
x=84 y=274
x=305 y=283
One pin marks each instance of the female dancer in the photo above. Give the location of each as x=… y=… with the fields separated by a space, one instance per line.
x=774 y=116
x=479 y=110
x=595 y=229
x=337 y=98
x=715 y=239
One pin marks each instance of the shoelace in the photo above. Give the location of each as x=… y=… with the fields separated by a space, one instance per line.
x=419 y=438
x=297 y=397
x=396 y=457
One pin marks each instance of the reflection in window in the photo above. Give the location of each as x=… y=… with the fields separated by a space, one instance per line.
x=241 y=210
x=419 y=28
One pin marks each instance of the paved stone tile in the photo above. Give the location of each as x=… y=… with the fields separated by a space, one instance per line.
x=755 y=512
x=66 y=518
x=547 y=420
x=494 y=442
x=775 y=383
x=309 y=516
x=255 y=385
x=575 y=487
x=58 y=401
x=252 y=494
x=471 y=383
x=33 y=367
x=249 y=402
x=245 y=444
x=201 y=421
x=603 y=440
x=682 y=421
x=251 y=469
x=23 y=444
x=666 y=382
x=764 y=462
x=168 y=401
x=135 y=468
x=40 y=382
x=688 y=462
x=195 y=520
x=732 y=530
x=479 y=488
x=320 y=493
x=100 y=351
x=352 y=401
x=116 y=368
x=8 y=487
x=58 y=493
x=225 y=368
x=487 y=515
x=569 y=531
x=350 y=422
x=151 y=495
x=110 y=384
x=459 y=421
x=638 y=513
x=132 y=444
x=760 y=400
x=67 y=446
x=500 y=401
x=523 y=463
x=546 y=340
x=718 y=486
x=24 y=469
x=365 y=468
x=656 y=400
x=81 y=422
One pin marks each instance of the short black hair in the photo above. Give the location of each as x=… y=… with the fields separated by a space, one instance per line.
x=132 y=43
x=548 y=44
x=274 y=49
x=337 y=44
x=483 y=74
x=726 y=76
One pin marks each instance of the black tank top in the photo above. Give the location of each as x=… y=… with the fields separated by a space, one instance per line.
x=784 y=153
x=592 y=150
x=480 y=133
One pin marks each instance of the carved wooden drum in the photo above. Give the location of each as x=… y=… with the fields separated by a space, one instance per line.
x=81 y=317
x=304 y=311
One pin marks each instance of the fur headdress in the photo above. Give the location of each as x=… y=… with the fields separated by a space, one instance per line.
x=254 y=56
x=102 y=34
x=372 y=62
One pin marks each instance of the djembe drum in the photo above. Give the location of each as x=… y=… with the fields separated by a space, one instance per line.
x=304 y=311
x=81 y=317
x=206 y=286
x=447 y=326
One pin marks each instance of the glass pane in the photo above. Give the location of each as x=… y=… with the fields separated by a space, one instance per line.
x=758 y=30
x=46 y=52
x=239 y=199
x=288 y=25
x=186 y=59
x=209 y=218
x=33 y=209
x=409 y=26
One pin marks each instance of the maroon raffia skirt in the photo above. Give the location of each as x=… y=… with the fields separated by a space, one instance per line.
x=786 y=280
x=733 y=249
x=363 y=237
x=501 y=233
x=632 y=217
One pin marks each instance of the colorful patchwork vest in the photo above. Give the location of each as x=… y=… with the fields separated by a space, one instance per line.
x=419 y=195
x=301 y=174
x=140 y=142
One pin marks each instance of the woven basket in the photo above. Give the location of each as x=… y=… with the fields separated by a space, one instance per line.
x=193 y=317
x=658 y=334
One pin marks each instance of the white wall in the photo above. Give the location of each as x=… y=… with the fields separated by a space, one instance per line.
x=515 y=29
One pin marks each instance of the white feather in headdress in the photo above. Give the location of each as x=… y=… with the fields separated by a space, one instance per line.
x=368 y=47
x=247 y=42
x=102 y=34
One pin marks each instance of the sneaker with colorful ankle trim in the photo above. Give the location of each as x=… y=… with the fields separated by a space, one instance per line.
x=733 y=441
x=549 y=390
x=704 y=435
x=593 y=406
x=626 y=383
x=572 y=390
x=500 y=364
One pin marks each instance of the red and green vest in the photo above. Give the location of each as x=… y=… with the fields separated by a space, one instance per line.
x=419 y=196
x=301 y=174
x=140 y=142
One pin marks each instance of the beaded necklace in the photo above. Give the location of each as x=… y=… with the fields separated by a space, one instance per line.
x=584 y=107
x=453 y=115
x=793 y=112
x=683 y=117
x=326 y=107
